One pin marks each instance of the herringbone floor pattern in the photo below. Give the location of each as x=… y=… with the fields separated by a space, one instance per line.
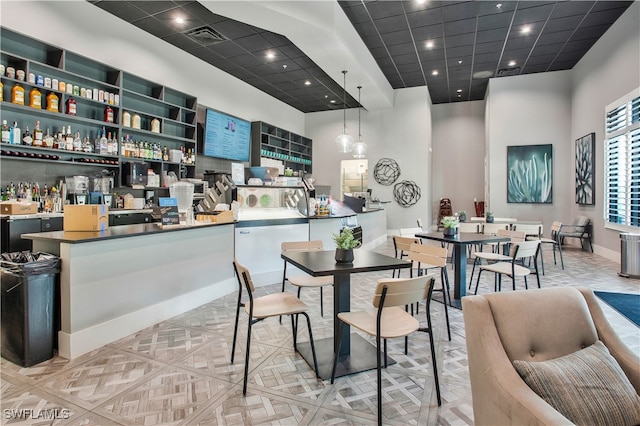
x=179 y=372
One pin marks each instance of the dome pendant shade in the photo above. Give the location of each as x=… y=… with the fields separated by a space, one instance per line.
x=344 y=142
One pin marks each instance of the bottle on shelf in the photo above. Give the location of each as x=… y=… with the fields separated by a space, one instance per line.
x=14 y=134
x=27 y=139
x=87 y=146
x=155 y=125
x=77 y=142
x=68 y=139
x=136 y=121
x=53 y=102
x=1 y=92
x=37 y=134
x=35 y=98
x=109 y=144
x=71 y=106
x=126 y=119
x=47 y=140
x=17 y=94
x=114 y=144
x=103 y=142
x=108 y=114
x=6 y=132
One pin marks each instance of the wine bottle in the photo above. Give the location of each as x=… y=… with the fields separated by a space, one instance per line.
x=6 y=132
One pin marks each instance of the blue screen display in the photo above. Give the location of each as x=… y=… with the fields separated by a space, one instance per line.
x=226 y=137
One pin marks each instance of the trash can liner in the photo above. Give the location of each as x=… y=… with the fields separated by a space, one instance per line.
x=25 y=263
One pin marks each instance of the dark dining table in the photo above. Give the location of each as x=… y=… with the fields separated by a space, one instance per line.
x=356 y=353
x=460 y=242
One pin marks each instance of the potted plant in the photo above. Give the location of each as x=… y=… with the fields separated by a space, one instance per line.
x=462 y=215
x=449 y=223
x=345 y=243
x=489 y=217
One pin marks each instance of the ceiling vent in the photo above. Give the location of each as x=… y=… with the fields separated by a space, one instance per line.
x=503 y=72
x=206 y=35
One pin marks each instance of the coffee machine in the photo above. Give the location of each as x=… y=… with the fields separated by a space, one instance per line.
x=102 y=185
x=77 y=189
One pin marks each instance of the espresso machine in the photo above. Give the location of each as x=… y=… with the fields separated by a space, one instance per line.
x=102 y=185
x=77 y=189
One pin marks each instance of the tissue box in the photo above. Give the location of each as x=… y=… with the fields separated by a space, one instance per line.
x=89 y=217
x=18 y=207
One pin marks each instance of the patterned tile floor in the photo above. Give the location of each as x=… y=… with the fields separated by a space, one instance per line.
x=179 y=371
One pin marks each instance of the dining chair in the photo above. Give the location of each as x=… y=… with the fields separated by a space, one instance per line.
x=260 y=308
x=580 y=229
x=305 y=280
x=401 y=246
x=513 y=268
x=492 y=229
x=427 y=257
x=554 y=241
x=496 y=255
x=389 y=320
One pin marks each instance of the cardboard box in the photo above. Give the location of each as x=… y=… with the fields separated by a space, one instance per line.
x=18 y=207
x=89 y=217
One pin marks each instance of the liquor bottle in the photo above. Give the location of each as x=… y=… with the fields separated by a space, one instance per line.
x=6 y=132
x=37 y=135
x=114 y=144
x=108 y=114
x=126 y=119
x=155 y=125
x=14 y=134
x=68 y=139
x=47 y=140
x=35 y=98
x=77 y=142
x=87 y=146
x=53 y=102
x=17 y=94
x=103 y=142
x=71 y=106
x=165 y=154
x=1 y=92
x=109 y=144
x=27 y=139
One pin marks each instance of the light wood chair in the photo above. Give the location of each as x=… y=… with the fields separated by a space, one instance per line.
x=427 y=257
x=389 y=320
x=401 y=246
x=301 y=281
x=514 y=267
x=495 y=255
x=260 y=308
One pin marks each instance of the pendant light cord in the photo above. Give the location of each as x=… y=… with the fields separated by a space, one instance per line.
x=344 y=101
x=359 y=108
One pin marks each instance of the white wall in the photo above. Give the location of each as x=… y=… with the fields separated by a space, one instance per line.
x=402 y=133
x=87 y=30
x=607 y=72
x=533 y=109
x=458 y=155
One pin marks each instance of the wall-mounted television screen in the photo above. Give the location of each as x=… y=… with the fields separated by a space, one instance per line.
x=226 y=136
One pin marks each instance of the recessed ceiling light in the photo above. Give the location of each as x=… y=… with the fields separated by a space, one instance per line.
x=526 y=29
x=459 y=62
x=179 y=20
x=459 y=91
x=307 y=83
x=434 y=72
x=499 y=5
x=429 y=45
x=332 y=101
x=284 y=66
x=512 y=63
x=270 y=55
x=326 y=96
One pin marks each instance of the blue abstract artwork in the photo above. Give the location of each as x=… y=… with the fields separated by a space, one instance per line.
x=530 y=174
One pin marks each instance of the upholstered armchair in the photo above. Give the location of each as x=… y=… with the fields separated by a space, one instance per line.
x=535 y=325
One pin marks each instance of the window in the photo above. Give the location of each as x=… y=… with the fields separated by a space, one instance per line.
x=622 y=161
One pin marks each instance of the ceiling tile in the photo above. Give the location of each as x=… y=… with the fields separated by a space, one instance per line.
x=397 y=37
x=460 y=27
x=570 y=8
x=424 y=18
x=384 y=9
x=411 y=58
x=227 y=49
x=233 y=29
x=460 y=52
x=391 y=24
x=182 y=41
x=155 y=27
x=552 y=38
x=562 y=24
x=489 y=7
x=495 y=46
x=407 y=69
x=491 y=22
x=532 y=14
x=401 y=49
x=589 y=32
x=253 y=43
x=547 y=49
x=460 y=10
x=459 y=40
x=429 y=32
x=356 y=13
x=152 y=7
x=124 y=10
x=487 y=36
x=367 y=29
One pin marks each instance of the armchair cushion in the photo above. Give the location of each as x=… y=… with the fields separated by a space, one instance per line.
x=587 y=387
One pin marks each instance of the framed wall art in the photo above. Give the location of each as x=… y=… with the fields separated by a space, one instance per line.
x=530 y=174
x=585 y=162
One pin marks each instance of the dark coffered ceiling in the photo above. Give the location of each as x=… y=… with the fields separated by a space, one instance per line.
x=453 y=47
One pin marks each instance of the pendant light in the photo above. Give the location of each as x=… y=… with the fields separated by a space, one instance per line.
x=359 y=148
x=344 y=142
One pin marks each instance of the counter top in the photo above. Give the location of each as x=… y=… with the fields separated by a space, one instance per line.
x=61 y=214
x=122 y=231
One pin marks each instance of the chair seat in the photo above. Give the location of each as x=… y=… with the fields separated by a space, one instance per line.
x=548 y=240
x=491 y=256
x=573 y=234
x=395 y=322
x=276 y=304
x=505 y=268
x=309 y=281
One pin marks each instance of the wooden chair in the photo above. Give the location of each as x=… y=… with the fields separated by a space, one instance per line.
x=260 y=308
x=495 y=255
x=401 y=245
x=305 y=280
x=514 y=267
x=428 y=257
x=580 y=229
x=389 y=320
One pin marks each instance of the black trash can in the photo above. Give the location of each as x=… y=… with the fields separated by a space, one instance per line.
x=28 y=290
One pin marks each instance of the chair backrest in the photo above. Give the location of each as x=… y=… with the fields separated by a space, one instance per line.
x=529 y=230
x=401 y=292
x=582 y=221
x=409 y=232
x=524 y=249
x=516 y=236
x=244 y=277
x=428 y=254
x=404 y=243
x=555 y=228
x=492 y=228
x=473 y=228
x=301 y=245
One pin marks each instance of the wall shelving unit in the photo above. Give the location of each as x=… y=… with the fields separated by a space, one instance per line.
x=268 y=141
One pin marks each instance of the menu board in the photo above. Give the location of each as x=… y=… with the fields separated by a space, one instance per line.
x=226 y=136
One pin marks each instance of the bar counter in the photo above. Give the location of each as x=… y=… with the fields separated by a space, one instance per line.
x=117 y=282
